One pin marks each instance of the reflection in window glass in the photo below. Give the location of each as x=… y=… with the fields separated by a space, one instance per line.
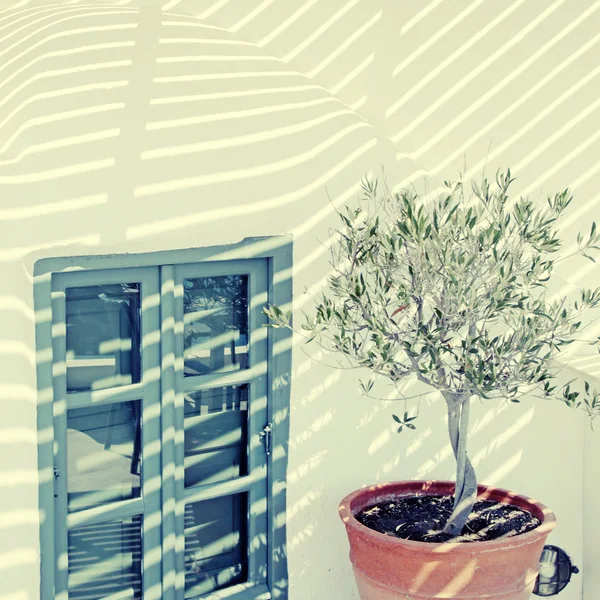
x=105 y=559
x=103 y=334
x=215 y=324
x=216 y=554
x=103 y=453
x=215 y=434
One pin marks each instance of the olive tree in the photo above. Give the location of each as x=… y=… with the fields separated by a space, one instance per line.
x=452 y=291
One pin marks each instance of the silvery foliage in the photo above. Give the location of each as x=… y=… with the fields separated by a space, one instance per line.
x=453 y=291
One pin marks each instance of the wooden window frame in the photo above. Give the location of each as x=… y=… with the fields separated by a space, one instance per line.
x=277 y=253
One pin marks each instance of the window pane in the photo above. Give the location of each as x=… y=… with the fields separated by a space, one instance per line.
x=215 y=434
x=215 y=324
x=103 y=333
x=105 y=559
x=216 y=553
x=103 y=453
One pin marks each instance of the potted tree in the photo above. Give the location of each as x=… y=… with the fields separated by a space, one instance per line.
x=450 y=291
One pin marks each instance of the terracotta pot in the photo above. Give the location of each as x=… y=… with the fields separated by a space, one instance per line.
x=390 y=568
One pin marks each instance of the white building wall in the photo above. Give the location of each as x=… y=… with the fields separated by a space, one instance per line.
x=128 y=130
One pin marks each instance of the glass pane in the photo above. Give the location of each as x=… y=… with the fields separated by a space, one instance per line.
x=103 y=333
x=216 y=553
x=103 y=453
x=215 y=434
x=215 y=324
x=105 y=559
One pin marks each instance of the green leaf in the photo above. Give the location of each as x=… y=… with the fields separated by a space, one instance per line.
x=397 y=419
x=450 y=214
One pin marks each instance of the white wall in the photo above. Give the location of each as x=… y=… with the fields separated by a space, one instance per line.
x=112 y=144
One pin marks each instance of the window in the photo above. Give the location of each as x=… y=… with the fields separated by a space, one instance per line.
x=163 y=411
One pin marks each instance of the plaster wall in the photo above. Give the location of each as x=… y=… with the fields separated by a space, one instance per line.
x=144 y=126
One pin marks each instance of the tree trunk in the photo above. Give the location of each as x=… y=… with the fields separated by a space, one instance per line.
x=465 y=493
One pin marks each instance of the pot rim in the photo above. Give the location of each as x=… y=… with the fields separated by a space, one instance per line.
x=346 y=513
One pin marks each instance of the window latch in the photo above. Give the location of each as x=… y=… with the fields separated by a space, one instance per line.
x=56 y=472
x=265 y=436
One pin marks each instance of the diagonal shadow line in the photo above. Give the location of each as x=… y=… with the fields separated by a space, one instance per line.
x=342 y=47
x=537 y=119
x=251 y=15
x=216 y=6
x=284 y=25
x=323 y=88
x=419 y=16
x=319 y=31
x=333 y=92
x=433 y=40
x=567 y=159
x=480 y=101
x=481 y=67
x=557 y=135
x=413 y=156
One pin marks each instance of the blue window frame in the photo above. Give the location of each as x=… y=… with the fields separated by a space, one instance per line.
x=163 y=423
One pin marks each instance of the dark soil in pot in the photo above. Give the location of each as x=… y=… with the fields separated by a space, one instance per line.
x=422 y=518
